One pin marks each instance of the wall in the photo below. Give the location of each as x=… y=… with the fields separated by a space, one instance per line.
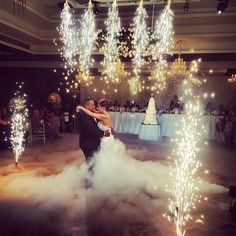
x=225 y=93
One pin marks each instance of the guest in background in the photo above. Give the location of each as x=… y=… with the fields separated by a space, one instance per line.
x=43 y=110
x=228 y=130
x=112 y=108
x=134 y=107
x=219 y=111
x=53 y=125
x=3 y=122
x=224 y=128
x=219 y=130
x=65 y=119
x=175 y=103
x=122 y=108
x=209 y=108
x=5 y=114
x=96 y=104
x=116 y=104
x=144 y=108
x=127 y=106
x=36 y=120
x=4 y=132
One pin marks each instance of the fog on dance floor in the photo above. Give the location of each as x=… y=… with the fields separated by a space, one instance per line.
x=127 y=196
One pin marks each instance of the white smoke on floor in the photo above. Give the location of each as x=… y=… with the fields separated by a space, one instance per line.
x=125 y=192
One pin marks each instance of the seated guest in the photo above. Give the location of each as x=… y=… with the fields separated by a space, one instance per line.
x=134 y=107
x=117 y=107
x=35 y=115
x=209 y=108
x=112 y=108
x=5 y=114
x=175 y=103
x=3 y=120
x=144 y=108
x=36 y=121
x=122 y=108
x=116 y=104
x=43 y=111
x=127 y=106
x=219 y=111
x=53 y=125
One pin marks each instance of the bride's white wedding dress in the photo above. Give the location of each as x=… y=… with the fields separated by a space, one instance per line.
x=115 y=170
x=111 y=163
x=105 y=141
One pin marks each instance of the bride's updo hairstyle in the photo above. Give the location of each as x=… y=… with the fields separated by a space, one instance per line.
x=104 y=103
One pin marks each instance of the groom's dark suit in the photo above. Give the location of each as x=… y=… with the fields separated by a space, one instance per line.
x=90 y=134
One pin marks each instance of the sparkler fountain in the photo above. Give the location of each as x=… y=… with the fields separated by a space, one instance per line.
x=17 y=106
x=163 y=46
x=186 y=161
x=163 y=34
x=87 y=38
x=69 y=37
x=111 y=49
x=140 y=40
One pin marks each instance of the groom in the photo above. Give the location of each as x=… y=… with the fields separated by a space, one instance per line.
x=90 y=134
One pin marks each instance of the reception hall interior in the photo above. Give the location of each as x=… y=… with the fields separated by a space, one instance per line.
x=117 y=117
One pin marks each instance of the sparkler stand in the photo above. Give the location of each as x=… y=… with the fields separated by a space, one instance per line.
x=150 y=132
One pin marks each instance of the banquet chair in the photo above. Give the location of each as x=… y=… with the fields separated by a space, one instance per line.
x=37 y=132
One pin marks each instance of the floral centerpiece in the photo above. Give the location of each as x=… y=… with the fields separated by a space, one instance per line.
x=55 y=100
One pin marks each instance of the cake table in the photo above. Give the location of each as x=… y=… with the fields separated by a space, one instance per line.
x=149 y=132
x=150 y=128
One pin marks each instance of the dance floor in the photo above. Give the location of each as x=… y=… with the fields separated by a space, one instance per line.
x=46 y=194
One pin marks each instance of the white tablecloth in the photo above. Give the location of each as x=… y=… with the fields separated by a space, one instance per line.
x=210 y=126
x=171 y=122
x=127 y=122
x=149 y=132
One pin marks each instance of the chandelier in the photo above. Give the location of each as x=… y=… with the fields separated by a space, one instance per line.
x=232 y=79
x=159 y=76
x=178 y=70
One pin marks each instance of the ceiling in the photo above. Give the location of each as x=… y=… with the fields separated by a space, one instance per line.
x=201 y=29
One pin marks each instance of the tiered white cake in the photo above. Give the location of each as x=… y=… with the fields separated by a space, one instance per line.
x=151 y=112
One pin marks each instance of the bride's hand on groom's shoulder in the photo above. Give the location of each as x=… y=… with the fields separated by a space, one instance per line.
x=78 y=108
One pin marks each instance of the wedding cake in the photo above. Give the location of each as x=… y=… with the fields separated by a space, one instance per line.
x=151 y=112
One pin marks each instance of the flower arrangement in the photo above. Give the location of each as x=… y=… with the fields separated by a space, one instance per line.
x=54 y=98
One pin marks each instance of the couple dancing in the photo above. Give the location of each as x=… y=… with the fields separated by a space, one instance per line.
x=95 y=127
x=104 y=154
x=109 y=164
